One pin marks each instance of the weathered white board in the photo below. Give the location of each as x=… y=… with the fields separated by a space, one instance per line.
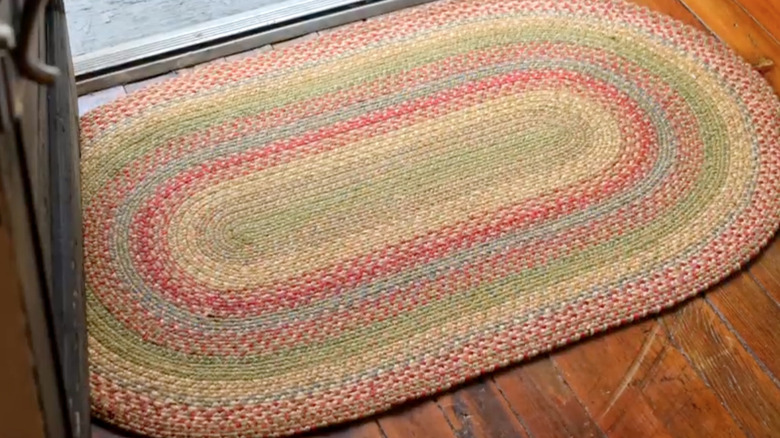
x=98 y=24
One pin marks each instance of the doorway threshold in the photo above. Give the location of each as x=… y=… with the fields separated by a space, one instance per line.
x=163 y=52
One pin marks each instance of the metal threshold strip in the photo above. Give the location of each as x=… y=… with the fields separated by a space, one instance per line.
x=161 y=53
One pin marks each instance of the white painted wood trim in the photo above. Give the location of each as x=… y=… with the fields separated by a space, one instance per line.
x=175 y=61
x=219 y=29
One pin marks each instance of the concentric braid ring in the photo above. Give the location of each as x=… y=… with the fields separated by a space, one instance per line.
x=318 y=233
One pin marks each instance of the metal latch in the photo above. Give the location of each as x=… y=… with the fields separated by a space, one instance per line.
x=7 y=43
x=28 y=65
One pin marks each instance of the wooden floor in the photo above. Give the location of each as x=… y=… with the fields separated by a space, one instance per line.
x=708 y=368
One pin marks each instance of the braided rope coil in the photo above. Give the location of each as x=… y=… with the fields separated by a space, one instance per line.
x=318 y=233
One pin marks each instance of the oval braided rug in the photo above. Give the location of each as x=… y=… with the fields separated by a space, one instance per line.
x=318 y=233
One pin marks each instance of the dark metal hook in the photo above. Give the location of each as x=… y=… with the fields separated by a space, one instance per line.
x=29 y=66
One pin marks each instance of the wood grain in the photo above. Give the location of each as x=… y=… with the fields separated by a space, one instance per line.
x=634 y=380
x=365 y=429
x=479 y=411
x=19 y=405
x=766 y=270
x=544 y=401
x=600 y=371
x=96 y=25
x=423 y=420
x=705 y=369
x=672 y=8
x=735 y=27
x=766 y=13
x=66 y=239
x=717 y=355
x=752 y=315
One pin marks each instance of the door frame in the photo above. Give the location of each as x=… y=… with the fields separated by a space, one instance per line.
x=40 y=321
x=49 y=249
x=68 y=301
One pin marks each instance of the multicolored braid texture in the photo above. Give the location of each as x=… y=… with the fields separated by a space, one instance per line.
x=318 y=233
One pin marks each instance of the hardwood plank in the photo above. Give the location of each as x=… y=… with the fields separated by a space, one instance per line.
x=635 y=383
x=595 y=370
x=479 y=411
x=672 y=8
x=737 y=28
x=595 y=367
x=365 y=429
x=98 y=98
x=424 y=420
x=766 y=13
x=544 y=401
x=753 y=316
x=766 y=270
x=680 y=398
x=717 y=355
x=140 y=85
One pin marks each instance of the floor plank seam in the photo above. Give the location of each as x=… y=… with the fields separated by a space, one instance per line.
x=742 y=341
x=381 y=430
x=702 y=377
x=576 y=397
x=763 y=288
x=668 y=327
x=758 y=23
x=701 y=21
x=511 y=408
x=444 y=414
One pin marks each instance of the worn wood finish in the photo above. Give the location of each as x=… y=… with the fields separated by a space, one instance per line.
x=635 y=377
x=64 y=233
x=20 y=414
x=365 y=429
x=34 y=137
x=479 y=411
x=107 y=23
x=766 y=13
x=735 y=27
x=422 y=420
x=29 y=259
x=707 y=368
x=539 y=395
x=672 y=8
x=107 y=73
x=752 y=316
x=24 y=289
x=752 y=397
x=766 y=270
